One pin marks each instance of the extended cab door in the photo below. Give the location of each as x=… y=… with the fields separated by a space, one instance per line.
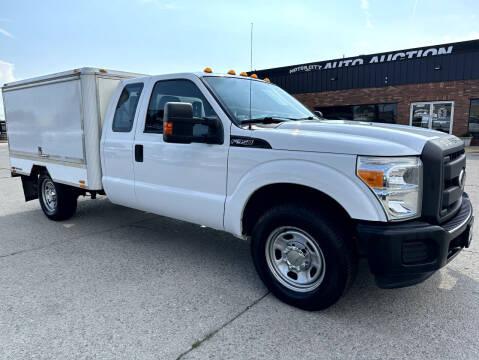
x=117 y=143
x=183 y=181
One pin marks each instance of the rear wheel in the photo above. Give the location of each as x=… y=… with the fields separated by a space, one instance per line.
x=58 y=201
x=303 y=256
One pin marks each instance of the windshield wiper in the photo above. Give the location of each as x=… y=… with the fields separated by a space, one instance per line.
x=305 y=118
x=266 y=120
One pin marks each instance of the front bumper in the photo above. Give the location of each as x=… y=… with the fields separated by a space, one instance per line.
x=403 y=254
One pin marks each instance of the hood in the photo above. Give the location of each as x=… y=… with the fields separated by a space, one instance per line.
x=349 y=137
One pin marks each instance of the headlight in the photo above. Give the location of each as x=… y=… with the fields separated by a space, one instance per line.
x=397 y=183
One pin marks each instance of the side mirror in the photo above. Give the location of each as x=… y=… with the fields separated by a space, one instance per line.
x=178 y=124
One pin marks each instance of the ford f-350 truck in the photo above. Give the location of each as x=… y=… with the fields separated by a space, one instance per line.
x=239 y=154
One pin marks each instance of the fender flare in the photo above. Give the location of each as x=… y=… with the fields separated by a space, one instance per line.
x=348 y=191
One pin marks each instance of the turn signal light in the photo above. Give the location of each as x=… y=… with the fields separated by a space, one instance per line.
x=372 y=178
x=208 y=70
x=168 y=130
x=243 y=74
x=231 y=72
x=266 y=80
x=254 y=76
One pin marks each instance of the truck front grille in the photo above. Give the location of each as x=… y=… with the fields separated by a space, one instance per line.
x=452 y=188
x=444 y=160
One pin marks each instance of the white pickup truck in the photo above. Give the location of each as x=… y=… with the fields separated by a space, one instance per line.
x=239 y=154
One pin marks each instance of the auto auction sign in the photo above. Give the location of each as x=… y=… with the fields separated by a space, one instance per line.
x=374 y=59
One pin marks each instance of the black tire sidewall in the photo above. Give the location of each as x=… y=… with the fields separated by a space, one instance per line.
x=66 y=200
x=41 y=180
x=338 y=257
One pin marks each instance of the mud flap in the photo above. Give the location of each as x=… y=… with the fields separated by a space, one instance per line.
x=30 y=187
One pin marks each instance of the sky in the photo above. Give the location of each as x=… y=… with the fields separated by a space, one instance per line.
x=160 y=37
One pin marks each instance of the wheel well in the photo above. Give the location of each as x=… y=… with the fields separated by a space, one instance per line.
x=30 y=184
x=37 y=170
x=275 y=194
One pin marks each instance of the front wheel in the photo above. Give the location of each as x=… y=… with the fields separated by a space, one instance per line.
x=303 y=256
x=58 y=201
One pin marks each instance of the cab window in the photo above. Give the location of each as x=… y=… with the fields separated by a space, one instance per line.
x=166 y=91
x=126 y=108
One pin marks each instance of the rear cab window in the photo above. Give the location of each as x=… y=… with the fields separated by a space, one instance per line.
x=126 y=108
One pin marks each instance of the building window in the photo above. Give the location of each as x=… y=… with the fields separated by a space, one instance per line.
x=383 y=113
x=433 y=115
x=474 y=118
x=336 y=112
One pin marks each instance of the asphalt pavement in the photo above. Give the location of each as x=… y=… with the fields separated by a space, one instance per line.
x=117 y=283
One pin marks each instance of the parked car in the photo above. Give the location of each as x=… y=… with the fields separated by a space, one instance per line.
x=239 y=154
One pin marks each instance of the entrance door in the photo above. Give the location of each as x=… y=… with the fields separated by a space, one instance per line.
x=442 y=117
x=420 y=115
x=433 y=115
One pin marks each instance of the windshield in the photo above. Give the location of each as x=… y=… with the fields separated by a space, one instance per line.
x=267 y=100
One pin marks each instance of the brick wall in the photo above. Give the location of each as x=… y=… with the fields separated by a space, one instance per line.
x=461 y=92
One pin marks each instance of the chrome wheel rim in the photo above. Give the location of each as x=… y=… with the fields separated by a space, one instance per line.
x=49 y=195
x=295 y=259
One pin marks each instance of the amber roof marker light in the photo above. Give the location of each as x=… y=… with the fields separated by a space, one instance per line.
x=266 y=80
x=243 y=74
x=254 y=76
x=208 y=70
x=231 y=72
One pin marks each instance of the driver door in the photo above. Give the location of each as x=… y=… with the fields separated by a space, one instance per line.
x=183 y=181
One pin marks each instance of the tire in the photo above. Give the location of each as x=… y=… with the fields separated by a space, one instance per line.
x=58 y=201
x=296 y=241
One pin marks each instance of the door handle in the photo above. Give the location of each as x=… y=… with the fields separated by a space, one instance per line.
x=138 y=153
